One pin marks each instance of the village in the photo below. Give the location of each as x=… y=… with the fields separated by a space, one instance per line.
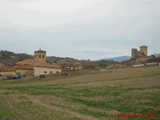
x=39 y=67
x=79 y=60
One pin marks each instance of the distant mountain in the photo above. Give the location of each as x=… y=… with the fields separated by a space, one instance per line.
x=59 y=60
x=156 y=54
x=118 y=59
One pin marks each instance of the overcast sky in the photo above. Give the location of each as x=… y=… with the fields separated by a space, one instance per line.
x=83 y=29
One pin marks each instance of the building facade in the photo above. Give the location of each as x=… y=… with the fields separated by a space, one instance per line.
x=46 y=71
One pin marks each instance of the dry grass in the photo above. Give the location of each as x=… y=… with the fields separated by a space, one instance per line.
x=86 y=97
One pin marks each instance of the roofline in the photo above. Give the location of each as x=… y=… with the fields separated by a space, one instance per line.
x=48 y=67
x=40 y=51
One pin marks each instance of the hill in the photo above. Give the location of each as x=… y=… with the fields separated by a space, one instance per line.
x=142 y=60
x=11 y=58
x=118 y=59
x=59 y=60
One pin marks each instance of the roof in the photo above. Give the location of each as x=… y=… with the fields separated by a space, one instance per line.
x=7 y=69
x=14 y=68
x=40 y=50
x=71 y=64
x=36 y=63
x=23 y=67
x=143 y=46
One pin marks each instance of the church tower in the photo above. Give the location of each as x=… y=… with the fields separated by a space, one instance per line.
x=40 y=55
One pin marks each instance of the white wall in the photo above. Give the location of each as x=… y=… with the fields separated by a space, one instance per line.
x=45 y=71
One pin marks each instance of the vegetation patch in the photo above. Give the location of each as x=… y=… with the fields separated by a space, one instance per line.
x=95 y=96
x=91 y=112
x=3 y=112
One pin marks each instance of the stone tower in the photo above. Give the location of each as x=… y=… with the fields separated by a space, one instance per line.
x=134 y=53
x=144 y=50
x=40 y=55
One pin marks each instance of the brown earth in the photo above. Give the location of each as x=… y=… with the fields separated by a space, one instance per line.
x=86 y=97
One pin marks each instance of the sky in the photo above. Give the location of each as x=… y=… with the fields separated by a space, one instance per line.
x=81 y=29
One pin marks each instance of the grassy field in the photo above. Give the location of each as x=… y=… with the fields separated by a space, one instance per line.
x=99 y=96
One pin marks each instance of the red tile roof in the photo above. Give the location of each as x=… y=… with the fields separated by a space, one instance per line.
x=23 y=67
x=36 y=63
x=7 y=69
x=27 y=65
x=14 y=68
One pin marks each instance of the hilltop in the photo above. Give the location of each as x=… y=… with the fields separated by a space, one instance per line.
x=118 y=59
x=11 y=58
x=142 y=60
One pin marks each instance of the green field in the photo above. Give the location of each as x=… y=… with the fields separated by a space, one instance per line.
x=98 y=96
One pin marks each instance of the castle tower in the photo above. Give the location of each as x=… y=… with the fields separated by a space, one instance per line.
x=40 y=55
x=134 y=53
x=144 y=50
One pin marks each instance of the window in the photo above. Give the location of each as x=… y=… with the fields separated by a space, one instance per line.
x=45 y=71
x=57 y=71
x=43 y=56
x=39 y=56
x=51 y=72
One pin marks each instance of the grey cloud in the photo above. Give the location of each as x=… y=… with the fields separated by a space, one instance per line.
x=97 y=52
x=13 y=1
x=134 y=22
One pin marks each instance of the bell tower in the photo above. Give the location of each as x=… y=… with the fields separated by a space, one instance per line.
x=40 y=55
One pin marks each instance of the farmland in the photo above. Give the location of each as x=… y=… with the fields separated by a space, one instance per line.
x=98 y=96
